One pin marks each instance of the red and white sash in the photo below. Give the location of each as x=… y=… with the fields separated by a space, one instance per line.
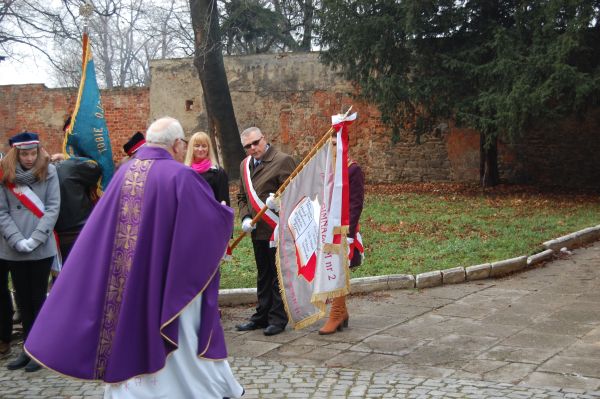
x=257 y=204
x=358 y=244
x=33 y=203
x=28 y=198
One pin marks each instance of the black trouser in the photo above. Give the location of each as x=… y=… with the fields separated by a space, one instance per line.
x=270 y=309
x=30 y=279
x=66 y=239
x=6 y=307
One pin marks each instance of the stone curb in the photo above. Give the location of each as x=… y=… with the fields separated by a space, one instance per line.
x=245 y=296
x=575 y=239
x=429 y=279
x=478 y=272
x=454 y=276
x=540 y=257
x=508 y=266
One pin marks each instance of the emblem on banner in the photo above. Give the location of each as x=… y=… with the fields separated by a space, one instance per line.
x=303 y=223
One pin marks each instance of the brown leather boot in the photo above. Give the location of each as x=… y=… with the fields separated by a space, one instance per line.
x=345 y=312
x=338 y=317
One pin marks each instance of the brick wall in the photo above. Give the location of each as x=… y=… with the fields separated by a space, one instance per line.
x=39 y=109
x=563 y=153
x=291 y=97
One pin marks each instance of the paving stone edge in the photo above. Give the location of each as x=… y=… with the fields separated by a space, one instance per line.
x=243 y=296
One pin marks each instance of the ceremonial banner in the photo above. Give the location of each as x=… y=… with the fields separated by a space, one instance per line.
x=312 y=252
x=87 y=135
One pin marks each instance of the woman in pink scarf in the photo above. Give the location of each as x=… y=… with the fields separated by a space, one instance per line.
x=201 y=157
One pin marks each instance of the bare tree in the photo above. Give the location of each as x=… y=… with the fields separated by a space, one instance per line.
x=29 y=23
x=125 y=36
x=126 y=39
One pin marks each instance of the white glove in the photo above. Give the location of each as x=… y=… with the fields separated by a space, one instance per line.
x=274 y=203
x=350 y=240
x=33 y=243
x=247 y=225
x=22 y=246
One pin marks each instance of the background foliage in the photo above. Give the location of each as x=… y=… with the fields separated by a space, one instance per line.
x=497 y=66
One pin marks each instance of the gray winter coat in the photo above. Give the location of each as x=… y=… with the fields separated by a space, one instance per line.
x=18 y=223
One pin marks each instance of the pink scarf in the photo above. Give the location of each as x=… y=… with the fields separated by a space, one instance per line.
x=202 y=166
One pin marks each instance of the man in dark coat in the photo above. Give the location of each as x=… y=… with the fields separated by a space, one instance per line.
x=263 y=171
x=78 y=178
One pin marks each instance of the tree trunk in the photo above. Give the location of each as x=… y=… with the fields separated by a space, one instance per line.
x=488 y=162
x=208 y=60
x=308 y=22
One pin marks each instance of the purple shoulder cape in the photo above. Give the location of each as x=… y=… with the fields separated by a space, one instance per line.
x=152 y=244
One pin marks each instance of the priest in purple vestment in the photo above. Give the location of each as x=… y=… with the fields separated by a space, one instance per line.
x=136 y=303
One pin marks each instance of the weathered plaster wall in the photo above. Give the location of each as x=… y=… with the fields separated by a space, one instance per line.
x=291 y=98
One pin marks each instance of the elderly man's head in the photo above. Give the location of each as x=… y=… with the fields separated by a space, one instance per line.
x=167 y=132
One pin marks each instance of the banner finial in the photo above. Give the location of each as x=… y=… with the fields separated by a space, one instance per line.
x=86 y=11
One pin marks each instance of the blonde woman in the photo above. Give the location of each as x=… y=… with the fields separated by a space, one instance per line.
x=201 y=157
x=29 y=206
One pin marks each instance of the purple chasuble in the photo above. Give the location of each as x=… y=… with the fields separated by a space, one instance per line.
x=152 y=244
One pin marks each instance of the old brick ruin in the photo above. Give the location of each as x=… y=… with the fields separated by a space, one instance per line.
x=291 y=97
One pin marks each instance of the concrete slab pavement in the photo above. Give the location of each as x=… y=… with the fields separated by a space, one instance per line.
x=534 y=334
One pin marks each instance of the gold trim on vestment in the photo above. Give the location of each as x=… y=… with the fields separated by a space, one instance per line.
x=183 y=308
x=126 y=236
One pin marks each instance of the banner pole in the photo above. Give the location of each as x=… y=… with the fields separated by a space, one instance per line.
x=287 y=181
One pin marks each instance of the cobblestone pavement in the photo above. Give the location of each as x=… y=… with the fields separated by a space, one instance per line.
x=535 y=334
x=270 y=379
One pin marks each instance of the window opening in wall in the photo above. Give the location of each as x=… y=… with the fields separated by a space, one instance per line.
x=188 y=105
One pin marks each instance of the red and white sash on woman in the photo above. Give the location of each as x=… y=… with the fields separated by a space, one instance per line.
x=28 y=198
x=358 y=244
x=31 y=201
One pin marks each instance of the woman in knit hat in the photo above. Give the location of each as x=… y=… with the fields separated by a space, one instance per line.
x=29 y=206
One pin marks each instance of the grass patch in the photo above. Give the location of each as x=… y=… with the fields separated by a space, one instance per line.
x=410 y=229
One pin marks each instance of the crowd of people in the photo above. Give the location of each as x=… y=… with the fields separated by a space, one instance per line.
x=137 y=245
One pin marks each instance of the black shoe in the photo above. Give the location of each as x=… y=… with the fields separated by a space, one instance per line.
x=21 y=361
x=249 y=326
x=4 y=349
x=32 y=366
x=273 y=330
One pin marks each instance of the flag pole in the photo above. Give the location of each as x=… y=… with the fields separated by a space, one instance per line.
x=86 y=10
x=287 y=181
